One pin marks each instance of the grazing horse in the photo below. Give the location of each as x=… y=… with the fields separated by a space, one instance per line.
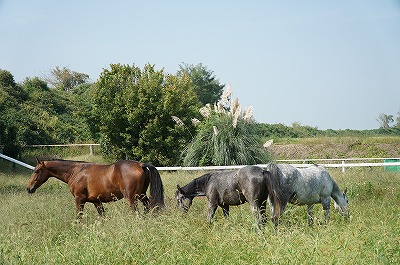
x=224 y=188
x=311 y=185
x=96 y=183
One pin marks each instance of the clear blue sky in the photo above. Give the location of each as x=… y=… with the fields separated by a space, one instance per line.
x=326 y=64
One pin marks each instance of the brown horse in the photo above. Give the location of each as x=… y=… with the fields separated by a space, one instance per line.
x=96 y=183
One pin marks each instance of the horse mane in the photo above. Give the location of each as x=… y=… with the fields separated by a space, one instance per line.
x=66 y=161
x=197 y=186
x=336 y=191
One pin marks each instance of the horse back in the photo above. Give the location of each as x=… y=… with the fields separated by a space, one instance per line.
x=306 y=185
x=223 y=188
x=107 y=182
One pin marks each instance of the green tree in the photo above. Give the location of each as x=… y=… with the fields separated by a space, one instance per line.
x=204 y=82
x=385 y=120
x=132 y=110
x=51 y=116
x=398 y=119
x=66 y=79
x=10 y=97
x=226 y=136
x=6 y=79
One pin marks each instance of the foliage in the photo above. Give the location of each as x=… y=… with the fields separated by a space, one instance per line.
x=133 y=110
x=31 y=113
x=277 y=131
x=129 y=111
x=227 y=136
x=203 y=81
x=66 y=79
x=10 y=97
x=385 y=120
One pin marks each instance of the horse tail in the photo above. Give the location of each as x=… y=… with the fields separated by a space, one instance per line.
x=272 y=177
x=156 y=186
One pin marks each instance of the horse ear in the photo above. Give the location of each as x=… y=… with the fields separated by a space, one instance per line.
x=345 y=191
x=38 y=161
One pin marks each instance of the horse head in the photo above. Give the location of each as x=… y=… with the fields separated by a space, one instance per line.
x=39 y=176
x=342 y=204
x=183 y=200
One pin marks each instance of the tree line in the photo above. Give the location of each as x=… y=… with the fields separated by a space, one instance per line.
x=143 y=114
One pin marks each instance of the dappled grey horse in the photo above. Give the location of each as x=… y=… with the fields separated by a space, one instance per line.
x=224 y=188
x=308 y=186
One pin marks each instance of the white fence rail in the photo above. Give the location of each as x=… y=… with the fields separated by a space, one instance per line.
x=17 y=162
x=303 y=165
x=91 y=146
x=344 y=164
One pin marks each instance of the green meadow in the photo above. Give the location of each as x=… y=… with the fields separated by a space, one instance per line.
x=40 y=228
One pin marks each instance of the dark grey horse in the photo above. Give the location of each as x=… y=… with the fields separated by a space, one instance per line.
x=224 y=188
x=308 y=186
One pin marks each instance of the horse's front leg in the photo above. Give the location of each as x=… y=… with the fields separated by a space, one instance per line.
x=310 y=219
x=326 y=205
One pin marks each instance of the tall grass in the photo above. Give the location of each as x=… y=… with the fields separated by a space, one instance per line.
x=40 y=228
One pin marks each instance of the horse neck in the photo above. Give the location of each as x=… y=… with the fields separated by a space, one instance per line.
x=61 y=170
x=197 y=186
x=337 y=194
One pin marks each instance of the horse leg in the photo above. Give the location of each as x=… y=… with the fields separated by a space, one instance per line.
x=99 y=208
x=212 y=207
x=256 y=209
x=274 y=216
x=146 y=202
x=326 y=205
x=263 y=210
x=79 y=204
x=225 y=210
x=133 y=203
x=310 y=220
x=132 y=194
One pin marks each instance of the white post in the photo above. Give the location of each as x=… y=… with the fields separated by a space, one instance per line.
x=91 y=149
x=343 y=167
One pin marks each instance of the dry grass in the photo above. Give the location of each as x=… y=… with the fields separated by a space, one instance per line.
x=333 y=147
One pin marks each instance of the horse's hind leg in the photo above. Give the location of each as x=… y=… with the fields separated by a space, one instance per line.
x=225 y=210
x=274 y=216
x=99 y=208
x=256 y=208
x=79 y=204
x=263 y=216
x=146 y=202
x=212 y=207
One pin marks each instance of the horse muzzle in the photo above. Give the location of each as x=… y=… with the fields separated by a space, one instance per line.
x=30 y=190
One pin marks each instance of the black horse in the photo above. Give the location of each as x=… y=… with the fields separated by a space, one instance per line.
x=223 y=188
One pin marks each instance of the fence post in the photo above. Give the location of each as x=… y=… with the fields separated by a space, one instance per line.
x=343 y=167
x=91 y=147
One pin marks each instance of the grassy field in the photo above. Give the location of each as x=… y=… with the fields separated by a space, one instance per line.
x=40 y=228
x=336 y=147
